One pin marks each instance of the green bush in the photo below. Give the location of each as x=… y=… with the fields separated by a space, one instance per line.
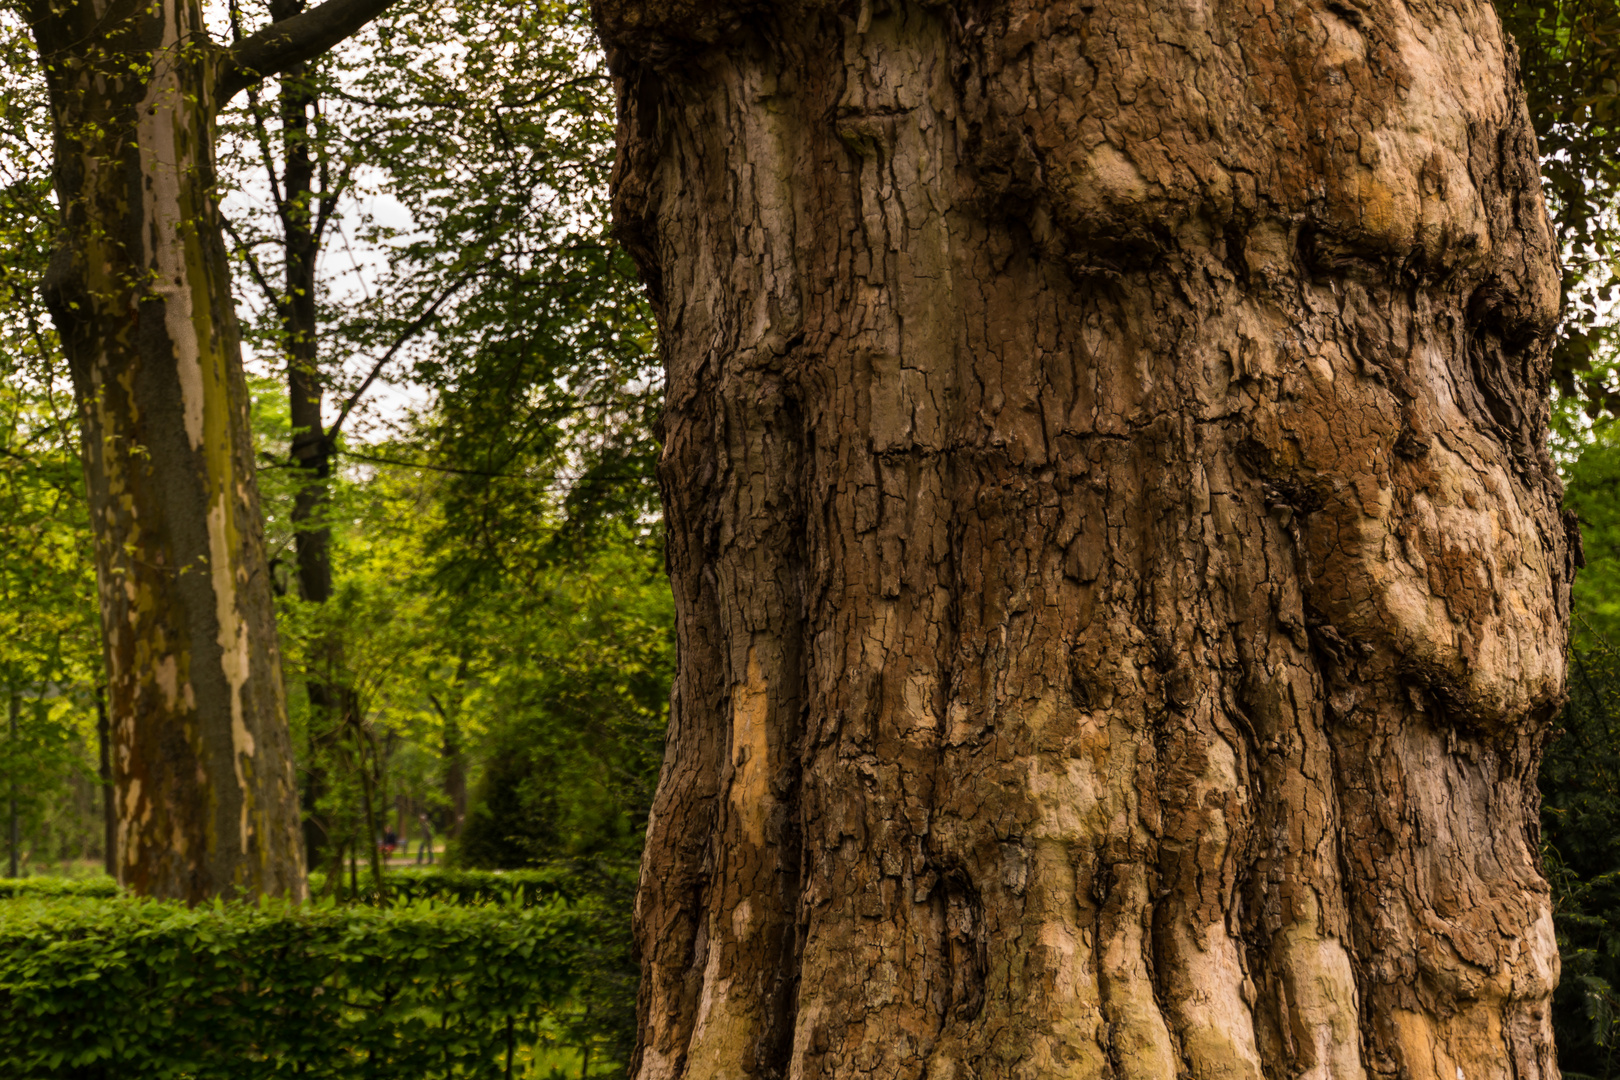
x=93 y=988
x=48 y=887
x=527 y=887
x=1580 y=833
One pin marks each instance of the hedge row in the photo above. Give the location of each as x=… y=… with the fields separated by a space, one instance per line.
x=529 y=887
x=41 y=887
x=130 y=988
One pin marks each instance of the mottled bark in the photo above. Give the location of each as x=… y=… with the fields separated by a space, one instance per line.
x=1121 y=590
x=140 y=292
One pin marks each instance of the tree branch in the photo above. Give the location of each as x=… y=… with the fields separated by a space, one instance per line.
x=545 y=478
x=290 y=41
x=415 y=327
x=255 y=269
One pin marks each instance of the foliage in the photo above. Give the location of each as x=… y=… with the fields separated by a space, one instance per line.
x=138 y=988
x=561 y=681
x=1580 y=786
x=460 y=156
x=1593 y=491
x=524 y=888
x=50 y=646
x=577 y=687
x=1570 y=62
x=42 y=888
x=500 y=616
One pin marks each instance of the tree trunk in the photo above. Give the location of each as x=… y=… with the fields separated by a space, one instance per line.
x=109 y=811
x=453 y=752
x=1121 y=590
x=311 y=451
x=140 y=292
x=455 y=779
x=11 y=786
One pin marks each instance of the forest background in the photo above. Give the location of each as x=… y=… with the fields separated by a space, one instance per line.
x=465 y=535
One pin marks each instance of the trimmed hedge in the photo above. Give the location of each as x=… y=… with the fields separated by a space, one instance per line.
x=129 y=988
x=45 y=887
x=528 y=887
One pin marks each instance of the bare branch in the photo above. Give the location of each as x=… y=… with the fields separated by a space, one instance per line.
x=328 y=199
x=546 y=478
x=290 y=41
x=415 y=327
x=254 y=269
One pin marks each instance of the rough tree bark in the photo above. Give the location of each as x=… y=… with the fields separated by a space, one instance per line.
x=1121 y=589
x=140 y=292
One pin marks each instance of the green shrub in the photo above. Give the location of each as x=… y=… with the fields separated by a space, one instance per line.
x=48 y=887
x=1580 y=834
x=528 y=887
x=124 y=988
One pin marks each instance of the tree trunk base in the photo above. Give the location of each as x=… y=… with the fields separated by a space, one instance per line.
x=1120 y=585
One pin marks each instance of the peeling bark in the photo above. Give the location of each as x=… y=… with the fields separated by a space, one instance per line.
x=140 y=292
x=201 y=762
x=1120 y=587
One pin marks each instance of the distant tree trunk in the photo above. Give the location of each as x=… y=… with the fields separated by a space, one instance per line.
x=453 y=753
x=311 y=451
x=455 y=778
x=11 y=785
x=109 y=814
x=1121 y=589
x=141 y=295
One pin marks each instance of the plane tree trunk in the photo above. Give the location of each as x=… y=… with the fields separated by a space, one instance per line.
x=1121 y=590
x=201 y=761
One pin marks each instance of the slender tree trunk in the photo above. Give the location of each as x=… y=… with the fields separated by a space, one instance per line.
x=1121 y=590
x=455 y=779
x=370 y=774
x=109 y=814
x=305 y=387
x=140 y=292
x=453 y=752
x=11 y=786
x=312 y=538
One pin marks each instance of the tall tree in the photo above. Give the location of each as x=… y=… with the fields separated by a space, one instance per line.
x=140 y=293
x=489 y=128
x=1120 y=586
x=304 y=201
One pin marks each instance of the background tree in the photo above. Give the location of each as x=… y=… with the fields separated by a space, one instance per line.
x=1119 y=580
x=139 y=291
x=483 y=281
